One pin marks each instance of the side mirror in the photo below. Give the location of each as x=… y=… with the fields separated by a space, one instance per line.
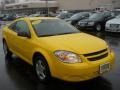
x=24 y=34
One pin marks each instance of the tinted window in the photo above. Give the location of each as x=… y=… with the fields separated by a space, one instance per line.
x=20 y=26
x=80 y=15
x=116 y=13
x=64 y=15
x=97 y=16
x=53 y=27
x=108 y=14
x=12 y=27
x=118 y=16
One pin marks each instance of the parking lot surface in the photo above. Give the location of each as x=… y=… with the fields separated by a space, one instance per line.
x=17 y=75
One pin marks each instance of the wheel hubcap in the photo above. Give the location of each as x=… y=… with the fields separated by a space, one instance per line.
x=98 y=27
x=40 y=69
x=5 y=48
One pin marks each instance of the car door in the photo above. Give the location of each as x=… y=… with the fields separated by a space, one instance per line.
x=22 y=45
x=10 y=35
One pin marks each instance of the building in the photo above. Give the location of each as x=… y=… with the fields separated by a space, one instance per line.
x=9 y=1
x=86 y=4
x=33 y=6
x=30 y=6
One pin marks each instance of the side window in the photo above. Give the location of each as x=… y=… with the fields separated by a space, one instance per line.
x=19 y=26
x=13 y=26
x=87 y=15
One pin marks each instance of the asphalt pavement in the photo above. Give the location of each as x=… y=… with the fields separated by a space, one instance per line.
x=17 y=75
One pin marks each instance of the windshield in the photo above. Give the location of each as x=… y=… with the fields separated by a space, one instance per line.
x=79 y=15
x=96 y=16
x=116 y=13
x=118 y=16
x=51 y=27
x=64 y=15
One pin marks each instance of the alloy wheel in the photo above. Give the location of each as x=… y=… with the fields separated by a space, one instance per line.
x=98 y=27
x=41 y=70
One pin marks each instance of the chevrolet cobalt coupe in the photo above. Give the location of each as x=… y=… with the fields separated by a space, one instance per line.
x=56 y=49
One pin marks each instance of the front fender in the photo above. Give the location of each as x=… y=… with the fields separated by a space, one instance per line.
x=47 y=55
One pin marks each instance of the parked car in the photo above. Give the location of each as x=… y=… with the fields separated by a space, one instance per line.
x=9 y=18
x=64 y=15
x=40 y=15
x=73 y=20
x=20 y=16
x=1 y=17
x=113 y=25
x=116 y=12
x=34 y=15
x=55 y=48
x=96 y=21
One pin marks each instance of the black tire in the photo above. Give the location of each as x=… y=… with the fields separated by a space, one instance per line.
x=42 y=71
x=98 y=27
x=7 y=52
x=74 y=23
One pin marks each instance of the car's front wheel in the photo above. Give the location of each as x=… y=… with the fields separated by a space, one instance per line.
x=7 y=52
x=42 y=69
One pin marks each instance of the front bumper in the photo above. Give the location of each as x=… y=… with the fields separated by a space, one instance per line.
x=82 y=71
x=85 y=27
x=112 y=30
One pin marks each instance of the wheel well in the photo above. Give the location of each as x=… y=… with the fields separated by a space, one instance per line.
x=37 y=54
x=43 y=58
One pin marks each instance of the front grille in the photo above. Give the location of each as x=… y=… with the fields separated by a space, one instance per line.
x=83 y=23
x=114 y=25
x=97 y=55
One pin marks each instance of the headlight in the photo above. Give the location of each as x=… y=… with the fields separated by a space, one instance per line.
x=67 y=57
x=107 y=25
x=79 y=22
x=91 y=23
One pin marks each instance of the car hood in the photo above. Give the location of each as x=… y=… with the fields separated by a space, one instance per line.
x=85 y=20
x=90 y=20
x=114 y=21
x=70 y=19
x=79 y=43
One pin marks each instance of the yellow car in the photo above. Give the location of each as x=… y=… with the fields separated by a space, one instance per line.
x=57 y=49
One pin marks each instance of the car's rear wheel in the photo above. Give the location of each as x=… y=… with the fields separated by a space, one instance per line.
x=42 y=69
x=7 y=52
x=98 y=27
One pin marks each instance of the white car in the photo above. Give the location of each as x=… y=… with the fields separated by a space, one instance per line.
x=113 y=25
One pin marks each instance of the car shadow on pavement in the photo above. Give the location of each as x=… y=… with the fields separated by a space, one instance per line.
x=24 y=78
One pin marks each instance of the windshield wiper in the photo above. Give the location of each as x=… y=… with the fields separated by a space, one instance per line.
x=68 y=33
x=58 y=34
